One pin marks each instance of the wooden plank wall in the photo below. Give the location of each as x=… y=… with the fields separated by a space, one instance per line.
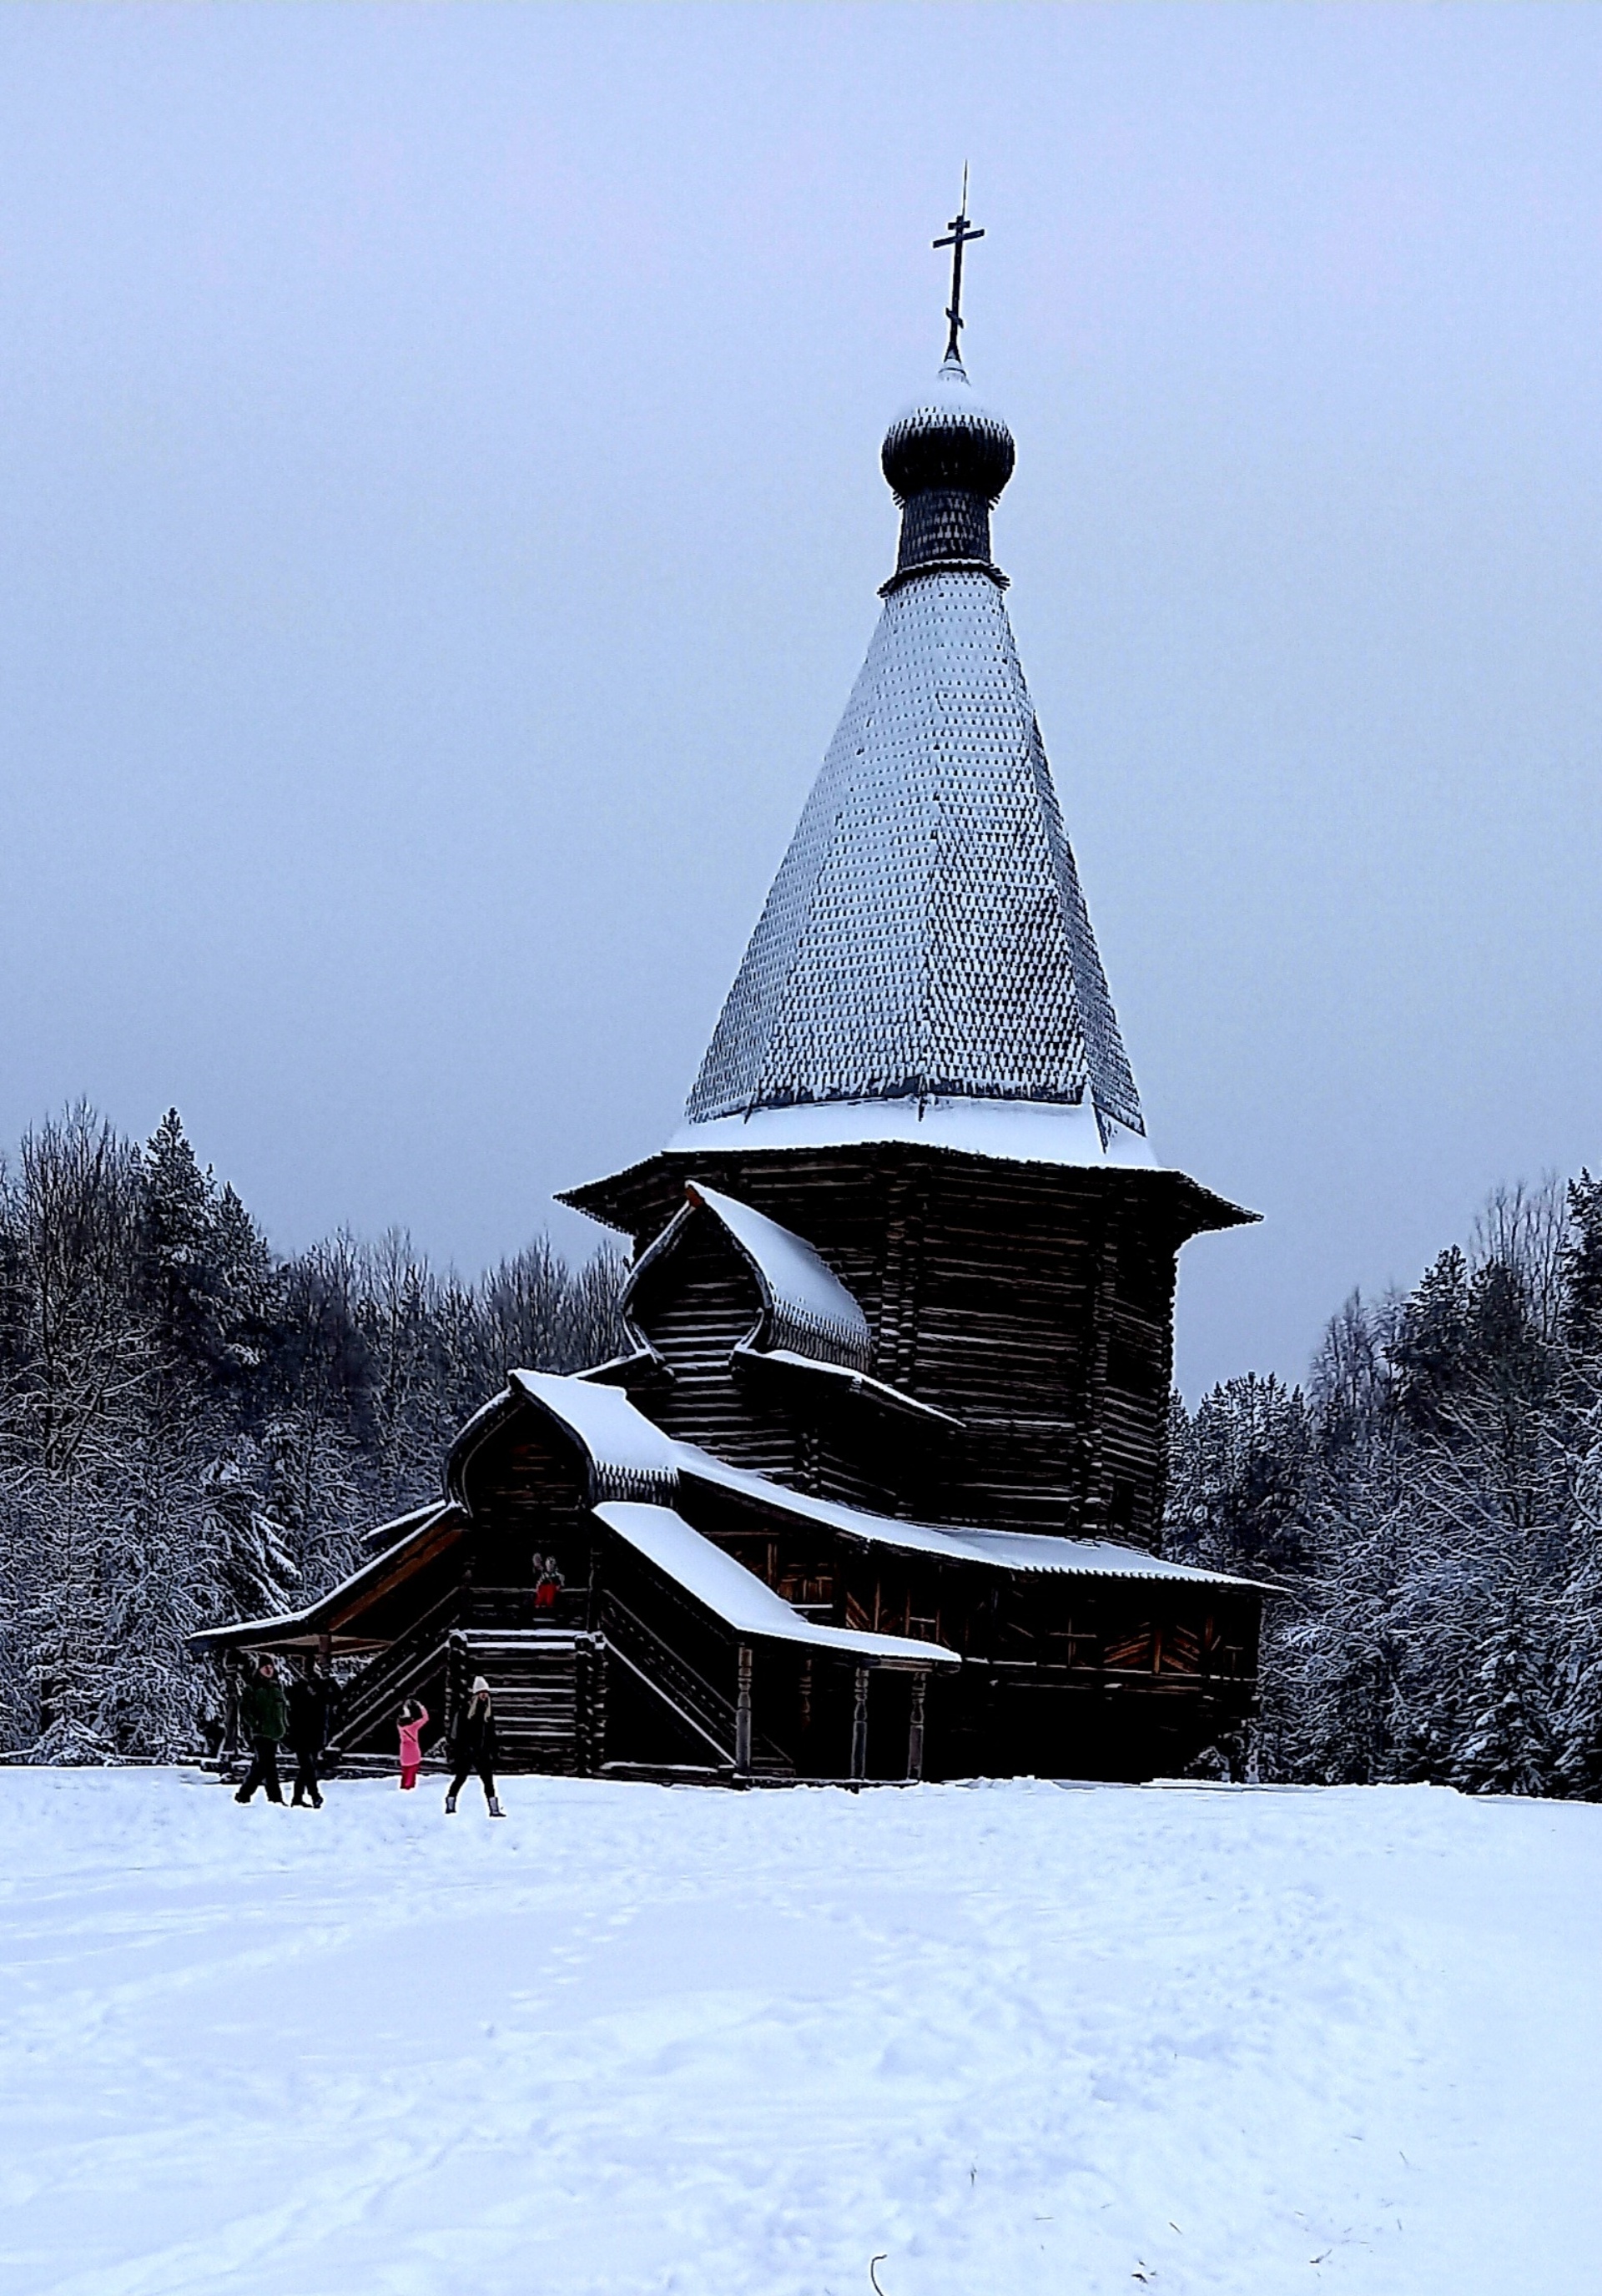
x=695 y=1307
x=1034 y=1302
x=527 y=1488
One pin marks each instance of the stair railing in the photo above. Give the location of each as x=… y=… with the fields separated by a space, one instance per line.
x=387 y=1678
x=702 y=1708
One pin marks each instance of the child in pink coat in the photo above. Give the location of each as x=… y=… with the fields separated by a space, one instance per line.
x=414 y=1715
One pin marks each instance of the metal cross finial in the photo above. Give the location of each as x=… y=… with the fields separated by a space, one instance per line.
x=960 y=231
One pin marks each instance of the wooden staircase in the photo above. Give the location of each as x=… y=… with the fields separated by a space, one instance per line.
x=549 y=1689
x=705 y=1712
x=415 y=1667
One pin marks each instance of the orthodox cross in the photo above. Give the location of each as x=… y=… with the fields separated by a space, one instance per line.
x=960 y=231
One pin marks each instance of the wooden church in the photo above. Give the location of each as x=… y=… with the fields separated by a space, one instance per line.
x=874 y=1491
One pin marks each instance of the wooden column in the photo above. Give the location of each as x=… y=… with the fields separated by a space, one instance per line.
x=743 y=1714
x=859 y=1727
x=1095 y=1507
x=589 y=1701
x=915 y=1729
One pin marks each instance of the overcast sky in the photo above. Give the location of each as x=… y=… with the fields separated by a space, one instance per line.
x=440 y=524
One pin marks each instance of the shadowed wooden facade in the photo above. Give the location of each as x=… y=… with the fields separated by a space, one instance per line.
x=1032 y=1305
x=913 y=1651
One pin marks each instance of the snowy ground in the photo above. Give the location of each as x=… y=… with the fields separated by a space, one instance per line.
x=1017 y=2038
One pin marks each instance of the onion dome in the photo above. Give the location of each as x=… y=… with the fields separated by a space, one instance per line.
x=947 y=459
x=947 y=439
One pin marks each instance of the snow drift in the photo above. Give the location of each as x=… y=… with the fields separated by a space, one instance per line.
x=1014 y=2038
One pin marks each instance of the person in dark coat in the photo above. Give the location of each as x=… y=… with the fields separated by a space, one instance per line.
x=264 y=1711
x=310 y=1702
x=473 y=1748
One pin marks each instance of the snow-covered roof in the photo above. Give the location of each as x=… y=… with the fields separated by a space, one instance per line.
x=739 y=1598
x=926 y=936
x=859 y=1382
x=430 y=1526
x=997 y=1550
x=384 y=1535
x=625 y=1444
x=1013 y=1131
x=806 y=1314
x=637 y=1465
x=601 y=1417
x=632 y=1457
x=806 y=1301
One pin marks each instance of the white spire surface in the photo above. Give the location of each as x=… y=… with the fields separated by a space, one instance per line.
x=926 y=940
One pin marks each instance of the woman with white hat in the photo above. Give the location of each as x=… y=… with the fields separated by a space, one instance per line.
x=473 y=1748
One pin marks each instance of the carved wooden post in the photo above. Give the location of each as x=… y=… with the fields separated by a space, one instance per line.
x=915 y=1729
x=232 y=1664
x=583 y=1751
x=598 y=1664
x=859 y=1727
x=743 y=1714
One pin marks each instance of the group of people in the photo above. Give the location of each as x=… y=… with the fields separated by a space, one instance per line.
x=472 y=1747
x=270 y=1714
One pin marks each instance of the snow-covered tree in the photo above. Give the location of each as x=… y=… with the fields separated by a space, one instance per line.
x=1508 y=1743
x=1441 y=1568
x=1238 y=1477
x=193 y=1430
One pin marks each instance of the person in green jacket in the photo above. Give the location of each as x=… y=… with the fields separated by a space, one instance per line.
x=264 y=1711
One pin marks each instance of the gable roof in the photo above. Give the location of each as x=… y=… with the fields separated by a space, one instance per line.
x=1032 y=1552
x=809 y=1307
x=425 y=1534
x=626 y=1455
x=635 y=1472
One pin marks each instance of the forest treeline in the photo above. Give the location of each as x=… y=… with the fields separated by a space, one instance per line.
x=195 y=1428
x=1430 y=1509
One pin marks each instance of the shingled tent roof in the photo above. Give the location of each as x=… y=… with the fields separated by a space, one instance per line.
x=926 y=940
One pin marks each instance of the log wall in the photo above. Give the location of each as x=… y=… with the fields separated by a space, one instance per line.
x=1033 y=1302
x=695 y=1307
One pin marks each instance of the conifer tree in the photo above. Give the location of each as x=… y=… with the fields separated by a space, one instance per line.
x=193 y=1430
x=1578 y=1725
x=1506 y=1747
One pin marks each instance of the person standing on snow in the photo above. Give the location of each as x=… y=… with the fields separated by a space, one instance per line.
x=310 y=1699
x=473 y=1748
x=264 y=1710
x=413 y=1718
